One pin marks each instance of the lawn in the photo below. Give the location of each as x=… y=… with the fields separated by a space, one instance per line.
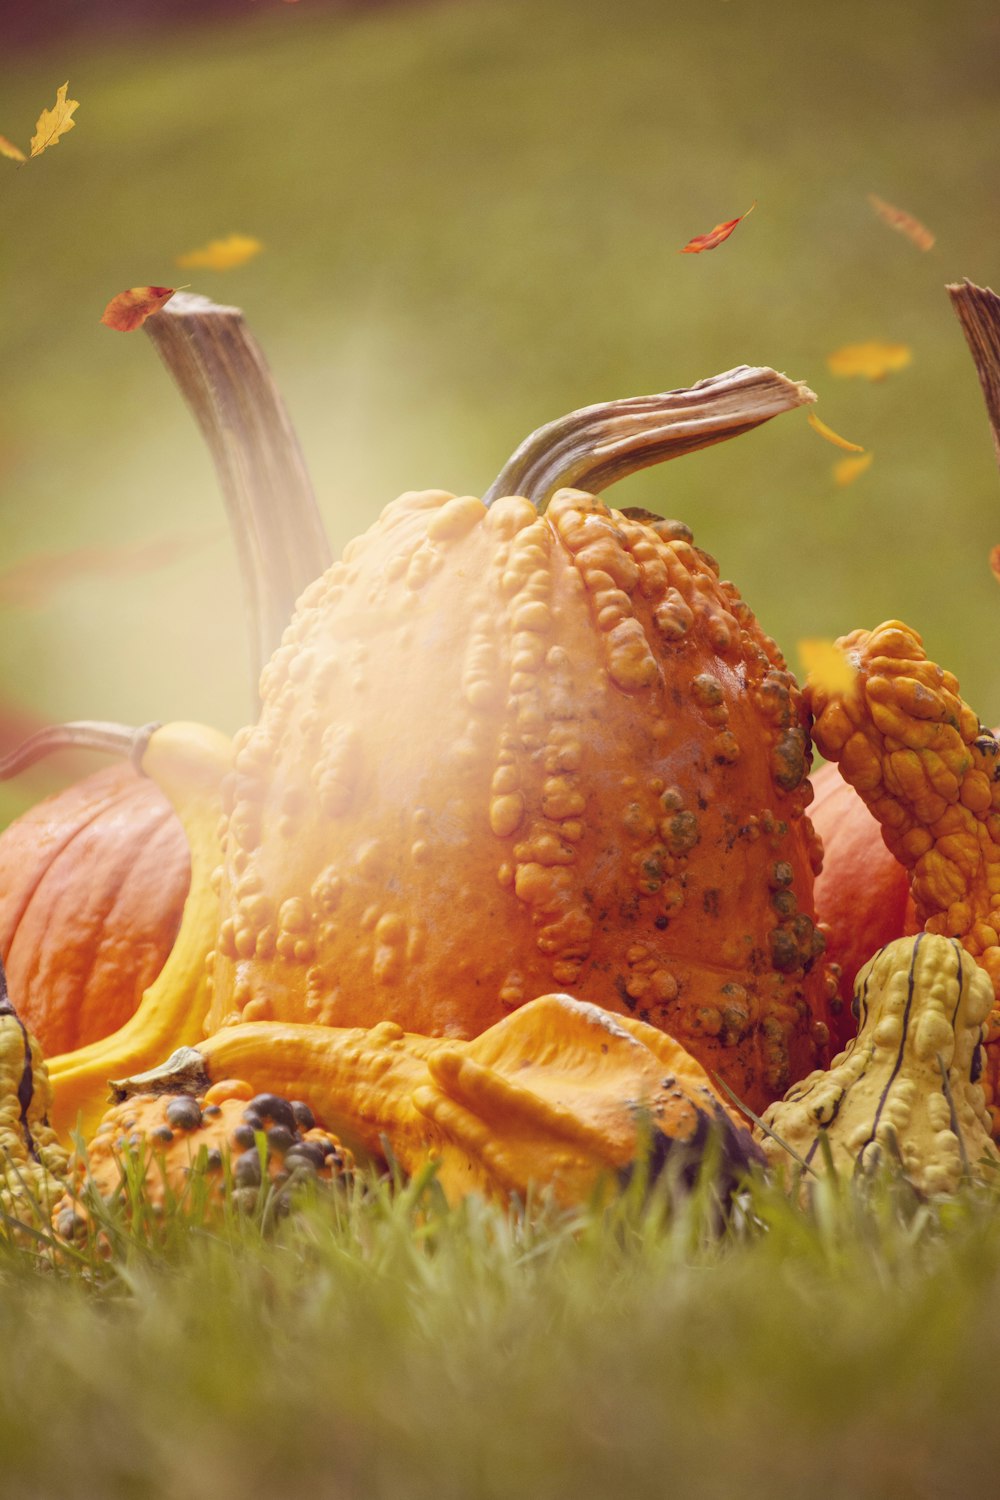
x=380 y=1345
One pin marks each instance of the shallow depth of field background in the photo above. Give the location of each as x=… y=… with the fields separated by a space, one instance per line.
x=472 y=211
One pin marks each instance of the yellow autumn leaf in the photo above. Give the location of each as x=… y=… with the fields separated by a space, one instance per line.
x=849 y=469
x=54 y=122
x=223 y=255
x=831 y=436
x=826 y=666
x=12 y=152
x=873 y=360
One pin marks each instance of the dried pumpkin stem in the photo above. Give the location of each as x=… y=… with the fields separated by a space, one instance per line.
x=598 y=445
x=222 y=375
x=83 y=734
x=978 y=311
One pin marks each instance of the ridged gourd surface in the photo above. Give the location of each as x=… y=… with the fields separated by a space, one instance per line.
x=503 y=754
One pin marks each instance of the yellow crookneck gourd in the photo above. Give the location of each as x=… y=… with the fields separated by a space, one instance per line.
x=929 y=770
x=560 y=1095
x=907 y=1088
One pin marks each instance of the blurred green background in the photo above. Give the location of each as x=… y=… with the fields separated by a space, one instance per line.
x=471 y=215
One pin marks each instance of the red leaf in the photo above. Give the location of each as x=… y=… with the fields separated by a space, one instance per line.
x=131 y=309
x=716 y=236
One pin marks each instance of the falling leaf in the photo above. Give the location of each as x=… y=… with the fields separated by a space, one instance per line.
x=33 y=582
x=995 y=562
x=826 y=666
x=716 y=236
x=873 y=360
x=831 y=436
x=223 y=255
x=12 y=152
x=130 y=309
x=54 y=122
x=905 y=223
x=849 y=469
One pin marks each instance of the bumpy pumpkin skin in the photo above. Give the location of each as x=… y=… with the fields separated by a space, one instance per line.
x=502 y=754
x=92 y=886
x=921 y=1003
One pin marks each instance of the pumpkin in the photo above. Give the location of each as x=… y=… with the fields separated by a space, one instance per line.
x=502 y=753
x=596 y=784
x=862 y=892
x=559 y=1093
x=92 y=885
x=907 y=1086
x=228 y=1135
x=930 y=773
x=188 y=762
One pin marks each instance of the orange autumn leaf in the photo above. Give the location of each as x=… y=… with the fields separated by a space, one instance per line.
x=12 y=152
x=54 y=123
x=827 y=666
x=223 y=255
x=995 y=562
x=873 y=360
x=716 y=236
x=905 y=223
x=849 y=469
x=35 y=580
x=130 y=309
x=831 y=436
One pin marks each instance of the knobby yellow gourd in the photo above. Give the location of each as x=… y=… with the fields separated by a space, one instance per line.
x=908 y=1087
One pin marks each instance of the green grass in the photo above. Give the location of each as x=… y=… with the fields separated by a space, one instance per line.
x=376 y=1343
x=472 y=214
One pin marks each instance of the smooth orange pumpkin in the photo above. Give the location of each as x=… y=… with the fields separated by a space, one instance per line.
x=92 y=886
x=862 y=892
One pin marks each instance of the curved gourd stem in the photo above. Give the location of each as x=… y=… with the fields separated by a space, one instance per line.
x=82 y=734
x=223 y=377
x=598 y=445
x=978 y=311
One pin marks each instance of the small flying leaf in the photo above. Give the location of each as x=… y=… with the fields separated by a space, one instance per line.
x=12 y=152
x=54 y=122
x=223 y=255
x=831 y=436
x=906 y=224
x=995 y=562
x=826 y=666
x=849 y=469
x=130 y=309
x=873 y=360
x=716 y=236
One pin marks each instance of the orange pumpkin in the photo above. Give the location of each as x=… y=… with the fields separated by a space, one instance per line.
x=503 y=753
x=862 y=893
x=92 y=886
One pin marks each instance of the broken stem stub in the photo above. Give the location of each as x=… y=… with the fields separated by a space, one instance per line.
x=978 y=311
x=223 y=377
